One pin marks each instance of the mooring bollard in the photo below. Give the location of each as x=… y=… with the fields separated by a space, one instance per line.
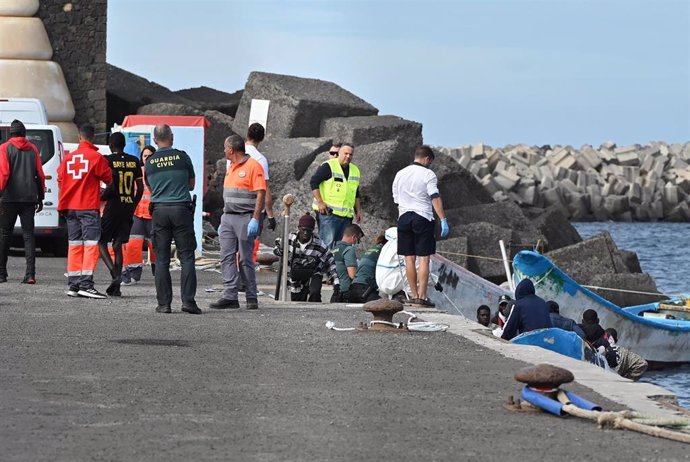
x=288 y=200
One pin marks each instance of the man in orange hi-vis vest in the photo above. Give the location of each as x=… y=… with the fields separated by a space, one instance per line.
x=141 y=230
x=79 y=179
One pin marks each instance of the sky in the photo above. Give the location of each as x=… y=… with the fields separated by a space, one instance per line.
x=494 y=72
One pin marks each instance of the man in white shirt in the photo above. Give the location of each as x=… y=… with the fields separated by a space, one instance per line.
x=255 y=135
x=415 y=191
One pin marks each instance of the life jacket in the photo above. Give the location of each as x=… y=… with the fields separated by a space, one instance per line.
x=338 y=192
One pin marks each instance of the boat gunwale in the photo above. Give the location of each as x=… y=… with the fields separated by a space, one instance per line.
x=598 y=298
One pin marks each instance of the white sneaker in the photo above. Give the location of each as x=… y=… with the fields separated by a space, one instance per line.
x=131 y=282
x=91 y=293
x=72 y=293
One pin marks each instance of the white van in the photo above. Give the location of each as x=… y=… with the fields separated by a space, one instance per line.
x=28 y=110
x=51 y=229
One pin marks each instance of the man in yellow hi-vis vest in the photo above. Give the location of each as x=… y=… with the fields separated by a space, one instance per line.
x=335 y=186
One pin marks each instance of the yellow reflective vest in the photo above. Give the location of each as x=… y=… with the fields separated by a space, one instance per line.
x=338 y=192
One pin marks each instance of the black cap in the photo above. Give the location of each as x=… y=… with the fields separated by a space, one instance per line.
x=17 y=128
x=504 y=299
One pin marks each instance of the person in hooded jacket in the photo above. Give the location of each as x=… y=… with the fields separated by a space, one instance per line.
x=22 y=190
x=529 y=312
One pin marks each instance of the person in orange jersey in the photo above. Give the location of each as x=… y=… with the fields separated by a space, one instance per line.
x=141 y=231
x=79 y=178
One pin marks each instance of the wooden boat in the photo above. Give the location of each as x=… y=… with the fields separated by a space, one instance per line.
x=659 y=331
x=563 y=342
x=463 y=291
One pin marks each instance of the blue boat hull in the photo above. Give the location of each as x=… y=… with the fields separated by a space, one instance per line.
x=656 y=340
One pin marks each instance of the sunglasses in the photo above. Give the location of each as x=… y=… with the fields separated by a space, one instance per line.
x=333 y=153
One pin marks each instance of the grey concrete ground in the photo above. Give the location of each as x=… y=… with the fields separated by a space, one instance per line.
x=112 y=380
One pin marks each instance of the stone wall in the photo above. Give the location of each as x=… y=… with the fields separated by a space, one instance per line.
x=77 y=32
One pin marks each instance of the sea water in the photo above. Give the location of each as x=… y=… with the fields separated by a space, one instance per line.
x=661 y=250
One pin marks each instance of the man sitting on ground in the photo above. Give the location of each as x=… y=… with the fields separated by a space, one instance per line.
x=483 y=315
x=529 y=312
x=308 y=259
x=345 y=256
x=561 y=321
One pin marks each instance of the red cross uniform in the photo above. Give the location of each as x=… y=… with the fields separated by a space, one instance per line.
x=79 y=180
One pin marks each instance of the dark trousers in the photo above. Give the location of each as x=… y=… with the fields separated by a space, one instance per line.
x=174 y=221
x=310 y=292
x=9 y=211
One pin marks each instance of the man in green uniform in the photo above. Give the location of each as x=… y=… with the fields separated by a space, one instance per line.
x=364 y=288
x=170 y=177
x=345 y=256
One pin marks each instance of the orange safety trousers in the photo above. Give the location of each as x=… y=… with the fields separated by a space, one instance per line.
x=133 y=250
x=83 y=232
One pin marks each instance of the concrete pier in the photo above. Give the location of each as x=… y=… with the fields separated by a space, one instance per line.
x=111 y=379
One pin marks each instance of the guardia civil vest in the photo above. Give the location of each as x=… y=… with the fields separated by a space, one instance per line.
x=338 y=192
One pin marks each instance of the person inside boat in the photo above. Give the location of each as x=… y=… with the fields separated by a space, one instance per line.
x=630 y=364
x=484 y=315
x=529 y=312
x=561 y=321
x=504 y=307
x=596 y=336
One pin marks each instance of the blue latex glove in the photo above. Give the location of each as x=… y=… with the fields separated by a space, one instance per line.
x=253 y=228
x=445 y=229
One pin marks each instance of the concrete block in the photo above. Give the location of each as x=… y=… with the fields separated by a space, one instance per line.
x=616 y=205
x=642 y=212
x=506 y=179
x=488 y=183
x=528 y=194
x=671 y=198
x=628 y=158
x=298 y=105
x=650 y=151
x=493 y=157
x=589 y=158
x=465 y=161
x=577 y=205
x=553 y=197
x=635 y=193
x=631 y=173
x=360 y=130
x=647 y=165
x=606 y=155
x=477 y=151
x=608 y=145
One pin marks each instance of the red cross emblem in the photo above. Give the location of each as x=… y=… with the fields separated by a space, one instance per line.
x=77 y=166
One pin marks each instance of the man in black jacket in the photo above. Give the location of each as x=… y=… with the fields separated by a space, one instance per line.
x=22 y=187
x=529 y=312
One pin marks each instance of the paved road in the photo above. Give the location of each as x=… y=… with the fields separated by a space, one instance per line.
x=112 y=380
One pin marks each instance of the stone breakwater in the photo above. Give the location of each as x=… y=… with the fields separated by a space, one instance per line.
x=620 y=183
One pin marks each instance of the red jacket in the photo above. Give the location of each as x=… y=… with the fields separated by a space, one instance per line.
x=21 y=171
x=79 y=178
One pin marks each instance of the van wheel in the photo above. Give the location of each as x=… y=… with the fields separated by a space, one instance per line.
x=57 y=246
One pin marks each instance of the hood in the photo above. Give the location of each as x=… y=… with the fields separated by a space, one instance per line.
x=20 y=143
x=524 y=289
x=132 y=148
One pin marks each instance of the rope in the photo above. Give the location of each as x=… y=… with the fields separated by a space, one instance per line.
x=620 y=420
x=625 y=290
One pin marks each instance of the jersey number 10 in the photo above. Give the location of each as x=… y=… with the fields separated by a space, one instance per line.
x=126 y=183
